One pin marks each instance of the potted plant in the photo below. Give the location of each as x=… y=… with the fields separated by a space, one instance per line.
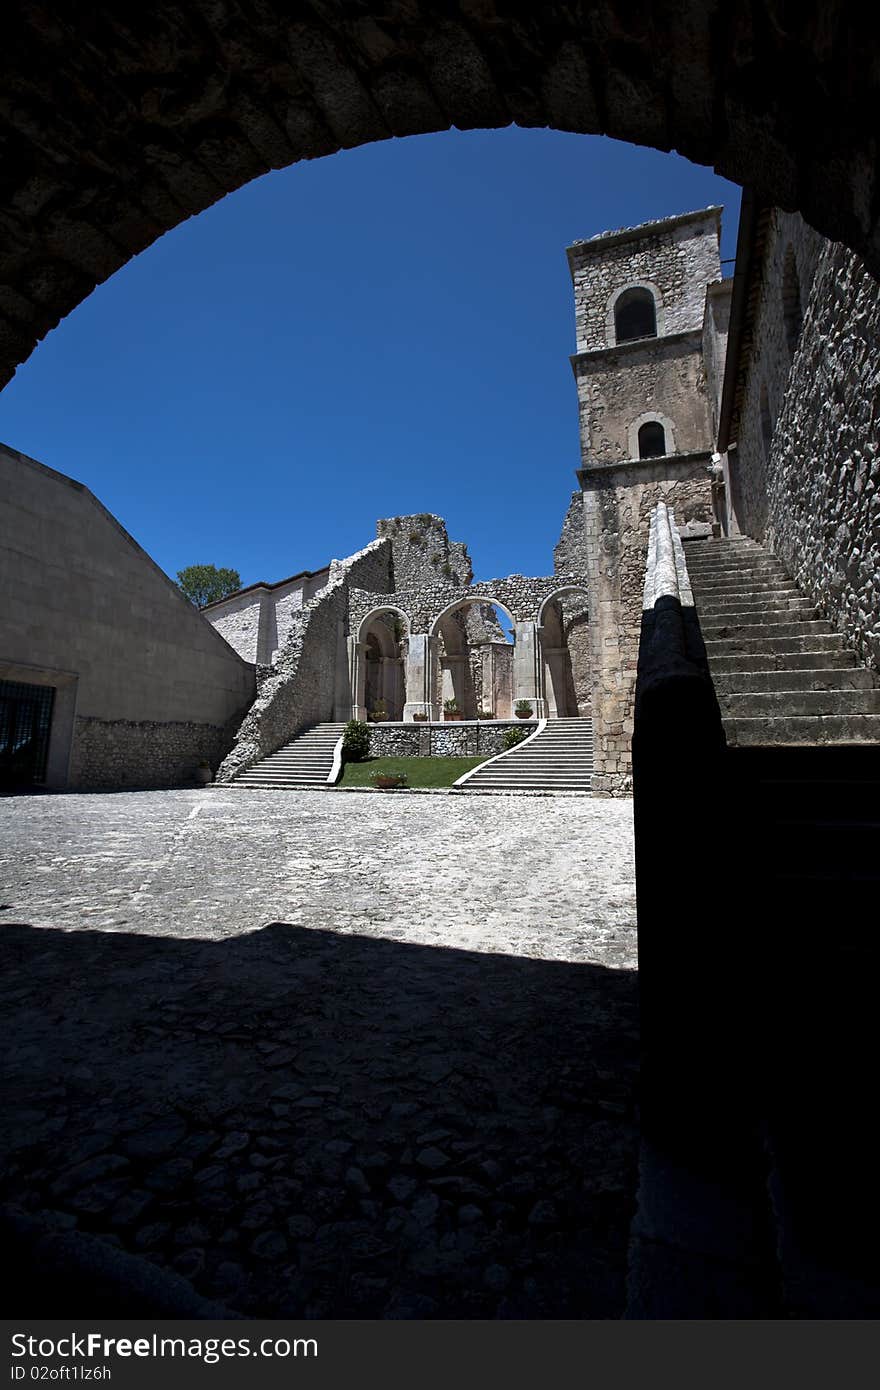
x=379 y=712
x=485 y=714
x=451 y=710
x=203 y=773
x=523 y=709
x=389 y=781
x=421 y=718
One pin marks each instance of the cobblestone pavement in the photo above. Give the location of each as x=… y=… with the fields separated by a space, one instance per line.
x=328 y=1055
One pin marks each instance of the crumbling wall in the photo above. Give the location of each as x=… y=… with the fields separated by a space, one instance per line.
x=300 y=687
x=422 y=553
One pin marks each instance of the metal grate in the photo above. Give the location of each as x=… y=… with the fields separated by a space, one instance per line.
x=25 y=721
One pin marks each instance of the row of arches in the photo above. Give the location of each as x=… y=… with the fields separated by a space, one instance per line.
x=468 y=663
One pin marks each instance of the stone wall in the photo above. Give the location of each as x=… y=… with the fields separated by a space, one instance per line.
x=238 y=623
x=768 y=369
x=659 y=378
x=521 y=594
x=452 y=740
x=617 y=503
x=84 y=605
x=123 y=753
x=818 y=490
x=422 y=553
x=716 y=324
x=257 y=621
x=303 y=685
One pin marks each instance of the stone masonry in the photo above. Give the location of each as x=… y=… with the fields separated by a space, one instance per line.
x=661 y=378
x=805 y=474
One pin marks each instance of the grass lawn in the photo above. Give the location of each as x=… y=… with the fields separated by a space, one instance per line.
x=420 y=772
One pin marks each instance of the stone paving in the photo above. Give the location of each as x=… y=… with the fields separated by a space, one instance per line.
x=328 y=1055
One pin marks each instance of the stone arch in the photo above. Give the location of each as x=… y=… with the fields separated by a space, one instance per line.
x=377 y=613
x=149 y=123
x=635 y=294
x=464 y=603
x=476 y=677
x=566 y=667
x=562 y=592
x=377 y=668
x=649 y=417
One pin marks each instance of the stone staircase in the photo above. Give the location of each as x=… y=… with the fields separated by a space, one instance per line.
x=781 y=673
x=305 y=762
x=559 y=759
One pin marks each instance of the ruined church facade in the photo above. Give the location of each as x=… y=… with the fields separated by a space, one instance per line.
x=745 y=403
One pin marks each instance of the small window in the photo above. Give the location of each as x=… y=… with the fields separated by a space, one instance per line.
x=635 y=316
x=652 y=440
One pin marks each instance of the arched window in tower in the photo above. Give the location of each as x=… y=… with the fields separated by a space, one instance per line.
x=635 y=316
x=652 y=440
x=792 y=312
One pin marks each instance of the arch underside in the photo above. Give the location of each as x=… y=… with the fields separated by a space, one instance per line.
x=150 y=116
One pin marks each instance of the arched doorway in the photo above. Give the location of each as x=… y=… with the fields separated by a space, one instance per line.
x=377 y=665
x=563 y=629
x=473 y=659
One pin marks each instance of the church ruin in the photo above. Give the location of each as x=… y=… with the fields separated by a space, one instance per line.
x=731 y=436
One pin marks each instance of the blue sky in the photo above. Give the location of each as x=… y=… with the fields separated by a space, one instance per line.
x=383 y=331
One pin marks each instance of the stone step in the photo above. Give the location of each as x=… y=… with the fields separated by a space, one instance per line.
x=811 y=730
x=536 y=784
x=304 y=762
x=769 y=646
x=780 y=620
x=786 y=703
x=739 y=583
x=798 y=659
x=559 y=758
x=755 y=592
x=754 y=574
x=522 y=780
x=831 y=678
x=282 y=785
x=808 y=629
x=770 y=602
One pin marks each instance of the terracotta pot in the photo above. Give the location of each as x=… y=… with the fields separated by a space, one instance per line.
x=520 y=714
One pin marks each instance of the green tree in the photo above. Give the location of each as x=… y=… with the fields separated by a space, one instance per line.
x=204 y=584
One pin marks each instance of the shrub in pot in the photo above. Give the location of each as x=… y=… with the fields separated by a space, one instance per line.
x=451 y=710
x=523 y=709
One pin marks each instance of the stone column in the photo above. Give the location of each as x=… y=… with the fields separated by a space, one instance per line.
x=453 y=682
x=388 y=684
x=420 y=657
x=554 y=680
x=357 y=667
x=526 y=666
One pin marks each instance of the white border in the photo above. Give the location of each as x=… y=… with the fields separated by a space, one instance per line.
x=336 y=769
